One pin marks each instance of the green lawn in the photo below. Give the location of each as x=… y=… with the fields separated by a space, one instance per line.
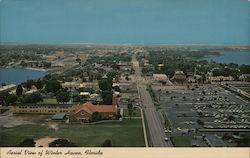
x=126 y=133
x=181 y=141
x=49 y=101
x=136 y=113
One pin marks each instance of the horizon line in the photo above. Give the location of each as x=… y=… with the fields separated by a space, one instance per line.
x=126 y=44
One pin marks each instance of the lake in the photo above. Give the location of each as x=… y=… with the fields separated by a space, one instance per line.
x=238 y=57
x=18 y=75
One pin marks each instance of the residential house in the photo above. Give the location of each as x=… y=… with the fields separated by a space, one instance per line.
x=245 y=77
x=220 y=78
x=179 y=76
x=160 y=77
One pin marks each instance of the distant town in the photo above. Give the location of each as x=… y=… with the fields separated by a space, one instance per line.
x=124 y=96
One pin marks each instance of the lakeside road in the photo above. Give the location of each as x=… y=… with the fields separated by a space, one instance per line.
x=156 y=128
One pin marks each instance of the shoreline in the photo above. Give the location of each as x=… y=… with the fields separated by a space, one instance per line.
x=37 y=69
x=27 y=68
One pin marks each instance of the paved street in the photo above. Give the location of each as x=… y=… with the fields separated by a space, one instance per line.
x=155 y=126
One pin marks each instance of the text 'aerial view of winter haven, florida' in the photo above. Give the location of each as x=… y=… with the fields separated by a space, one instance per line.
x=113 y=73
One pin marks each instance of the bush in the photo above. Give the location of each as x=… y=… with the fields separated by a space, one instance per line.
x=107 y=143
x=61 y=143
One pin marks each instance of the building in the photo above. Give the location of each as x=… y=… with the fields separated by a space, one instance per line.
x=59 y=53
x=88 y=112
x=179 y=76
x=85 y=94
x=220 y=78
x=42 y=108
x=245 y=77
x=160 y=77
x=59 y=117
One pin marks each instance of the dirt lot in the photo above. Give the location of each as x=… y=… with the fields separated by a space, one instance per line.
x=11 y=120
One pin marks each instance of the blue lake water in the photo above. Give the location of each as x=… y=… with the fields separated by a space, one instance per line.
x=241 y=57
x=17 y=76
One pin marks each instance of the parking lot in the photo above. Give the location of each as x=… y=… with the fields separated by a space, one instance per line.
x=192 y=108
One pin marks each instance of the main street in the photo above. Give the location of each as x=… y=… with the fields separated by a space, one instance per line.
x=156 y=128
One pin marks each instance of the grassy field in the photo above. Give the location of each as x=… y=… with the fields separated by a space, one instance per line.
x=125 y=133
x=181 y=141
x=136 y=113
x=49 y=101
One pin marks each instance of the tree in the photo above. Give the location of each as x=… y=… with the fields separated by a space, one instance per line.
x=61 y=143
x=32 y=98
x=3 y=96
x=6 y=98
x=46 y=64
x=105 y=84
x=231 y=118
x=76 y=98
x=106 y=143
x=130 y=109
x=27 y=143
x=107 y=97
x=10 y=99
x=28 y=84
x=200 y=122
x=19 y=90
x=39 y=84
x=52 y=86
x=62 y=97
x=112 y=74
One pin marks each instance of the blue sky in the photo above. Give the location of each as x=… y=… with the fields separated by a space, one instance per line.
x=125 y=21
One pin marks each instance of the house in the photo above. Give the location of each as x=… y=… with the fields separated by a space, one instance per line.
x=220 y=78
x=179 y=76
x=245 y=77
x=160 y=77
x=88 y=112
x=85 y=94
x=160 y=66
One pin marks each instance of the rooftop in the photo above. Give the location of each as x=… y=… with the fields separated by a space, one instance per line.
x=90 y=108
x=58 y=116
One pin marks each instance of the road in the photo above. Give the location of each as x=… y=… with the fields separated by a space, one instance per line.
x=156 y=128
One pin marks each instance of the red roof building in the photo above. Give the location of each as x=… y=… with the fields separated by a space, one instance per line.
x=88 y=112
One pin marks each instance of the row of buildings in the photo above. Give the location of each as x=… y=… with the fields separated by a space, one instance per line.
x=86 y=112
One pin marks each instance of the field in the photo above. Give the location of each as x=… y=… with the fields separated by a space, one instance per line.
x=136 y=113
x=181 y=141
x=126 y=133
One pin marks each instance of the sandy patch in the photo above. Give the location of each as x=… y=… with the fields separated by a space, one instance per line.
x=54 y=126
x=44 y=141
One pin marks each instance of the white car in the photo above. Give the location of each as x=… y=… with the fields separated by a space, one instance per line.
x=166 y=139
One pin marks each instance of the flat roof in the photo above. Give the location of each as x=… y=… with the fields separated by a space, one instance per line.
x=34 y=104
x=58 y=116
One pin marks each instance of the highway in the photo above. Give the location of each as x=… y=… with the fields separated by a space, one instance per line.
x=156 y=128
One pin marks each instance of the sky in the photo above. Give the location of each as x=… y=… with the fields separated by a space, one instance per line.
x=125 y=21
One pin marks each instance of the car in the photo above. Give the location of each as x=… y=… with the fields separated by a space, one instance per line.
x=167 y=131
x=166 y=139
